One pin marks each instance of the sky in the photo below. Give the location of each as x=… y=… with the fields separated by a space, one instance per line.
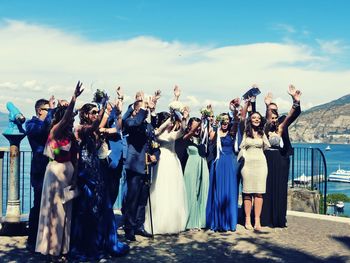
x=214 y=50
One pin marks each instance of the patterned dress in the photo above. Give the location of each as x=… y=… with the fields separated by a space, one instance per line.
x=53 y=236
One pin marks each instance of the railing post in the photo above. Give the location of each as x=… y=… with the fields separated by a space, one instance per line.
x=2 y=152
x=13 y=212
x=293 y=169
x=312 y=169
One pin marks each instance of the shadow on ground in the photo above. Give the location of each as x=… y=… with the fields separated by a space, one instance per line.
x=203 y=246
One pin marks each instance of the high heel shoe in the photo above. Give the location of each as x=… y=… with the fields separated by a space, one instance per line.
x=257 y=225
x=248 y=224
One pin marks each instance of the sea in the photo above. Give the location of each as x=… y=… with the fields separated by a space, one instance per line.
x=337 y=157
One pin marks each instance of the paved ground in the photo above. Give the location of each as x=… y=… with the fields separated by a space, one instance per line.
x=305 y=240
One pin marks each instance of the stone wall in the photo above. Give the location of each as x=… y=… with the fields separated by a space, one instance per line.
x=303 y=200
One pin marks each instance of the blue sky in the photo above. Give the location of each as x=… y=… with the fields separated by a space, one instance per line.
x=217 y=22
x=213 y=49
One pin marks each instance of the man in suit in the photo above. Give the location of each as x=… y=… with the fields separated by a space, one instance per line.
x=140 y=144
x=37 y=131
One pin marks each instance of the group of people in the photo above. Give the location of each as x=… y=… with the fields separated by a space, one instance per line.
x=180 y=172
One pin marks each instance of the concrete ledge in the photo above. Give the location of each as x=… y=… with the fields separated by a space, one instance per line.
x=319 y=216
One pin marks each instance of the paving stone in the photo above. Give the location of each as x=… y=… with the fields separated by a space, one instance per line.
x=304 y=240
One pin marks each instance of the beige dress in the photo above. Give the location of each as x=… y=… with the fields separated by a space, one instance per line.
x=254 y=171
x=55 y=217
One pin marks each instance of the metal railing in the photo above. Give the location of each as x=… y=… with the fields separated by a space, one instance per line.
x=25 y=190
x=308 y=169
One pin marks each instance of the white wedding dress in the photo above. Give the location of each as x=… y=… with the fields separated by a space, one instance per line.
x=168 y=192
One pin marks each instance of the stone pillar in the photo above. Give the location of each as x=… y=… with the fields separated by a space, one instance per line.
x=13 y=213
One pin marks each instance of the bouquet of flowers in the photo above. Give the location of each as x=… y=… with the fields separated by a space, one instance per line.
x=100 y=97
x=206 y=112
x=222 y=118
x=176 y=106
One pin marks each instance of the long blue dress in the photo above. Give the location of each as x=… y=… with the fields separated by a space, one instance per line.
x=222 y=206
x=94 y=229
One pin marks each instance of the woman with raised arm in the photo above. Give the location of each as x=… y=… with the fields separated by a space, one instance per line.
x=254 y=169
x=167 y=192
x=275 y=199
x=94 y=230
x=53 y=236
x=196 y=176
x=222 y=205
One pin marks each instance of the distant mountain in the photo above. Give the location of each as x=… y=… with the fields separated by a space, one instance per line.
x=326 y=123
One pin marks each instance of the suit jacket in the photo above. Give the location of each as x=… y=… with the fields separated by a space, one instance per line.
x=141 y=136
x=37 y=132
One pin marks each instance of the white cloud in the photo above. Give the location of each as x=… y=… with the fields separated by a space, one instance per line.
x=38 y=61
x=331 y=47
x=285 y=27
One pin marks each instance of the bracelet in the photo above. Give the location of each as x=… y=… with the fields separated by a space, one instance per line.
x=121 y=98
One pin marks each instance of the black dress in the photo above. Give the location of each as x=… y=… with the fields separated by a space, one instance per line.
x=274 y=208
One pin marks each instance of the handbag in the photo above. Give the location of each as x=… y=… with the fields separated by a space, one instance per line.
x=69 y=193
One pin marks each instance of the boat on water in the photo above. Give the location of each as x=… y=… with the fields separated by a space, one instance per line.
x=340 y=175
x=308 y=179
x=328 y=148
x=340 y=205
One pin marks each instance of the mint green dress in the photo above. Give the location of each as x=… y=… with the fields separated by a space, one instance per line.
x=196 y=178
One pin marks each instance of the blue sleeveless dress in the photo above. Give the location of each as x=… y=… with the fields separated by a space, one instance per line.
x=222 y=205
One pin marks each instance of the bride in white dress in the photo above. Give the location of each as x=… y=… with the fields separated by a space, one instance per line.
x=167 y=192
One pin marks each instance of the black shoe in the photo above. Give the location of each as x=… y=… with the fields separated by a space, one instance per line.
x=142 y=232
x=130 y=237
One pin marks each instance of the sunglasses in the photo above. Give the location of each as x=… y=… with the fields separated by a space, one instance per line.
x=47 y=109
x=94 y=112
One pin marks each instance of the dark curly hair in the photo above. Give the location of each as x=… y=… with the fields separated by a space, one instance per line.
x=58 y=115
x=84 y=113
x=249 y=127
x=162 y=117
x=190 y=121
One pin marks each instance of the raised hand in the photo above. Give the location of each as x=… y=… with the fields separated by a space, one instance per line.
x=234 y=104
x=119 y=105
x=120 y=93
x=186 y=112
x=52 y=102
x=177 y=92
x=78 y=90
x=156 y=96
x=63 y=103
x=268 y=98
x=297 y=95
x=140 y=95
x=151 y=103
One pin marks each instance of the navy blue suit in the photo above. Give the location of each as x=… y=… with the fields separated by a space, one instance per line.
x=37 y=132
x=140 y=139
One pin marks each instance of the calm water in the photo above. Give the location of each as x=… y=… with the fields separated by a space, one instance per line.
x=338 y=156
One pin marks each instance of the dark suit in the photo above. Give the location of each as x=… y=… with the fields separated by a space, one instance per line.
x=140 y=139
x=37 y=132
